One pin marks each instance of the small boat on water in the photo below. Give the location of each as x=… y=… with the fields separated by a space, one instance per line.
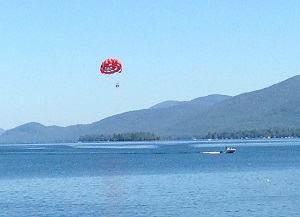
x=230 y=150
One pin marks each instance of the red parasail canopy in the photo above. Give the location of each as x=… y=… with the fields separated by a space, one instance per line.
x=111 y=66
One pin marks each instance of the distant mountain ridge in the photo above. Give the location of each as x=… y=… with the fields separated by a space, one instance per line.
x=205 y=100
x=1 y=131
x=274 y=106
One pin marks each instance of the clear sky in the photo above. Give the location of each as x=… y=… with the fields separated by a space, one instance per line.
x=170 y=50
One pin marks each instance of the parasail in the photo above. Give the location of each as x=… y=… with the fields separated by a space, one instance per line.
x=111 y=66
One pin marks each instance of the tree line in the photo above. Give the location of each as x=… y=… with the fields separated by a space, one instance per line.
x=255 y=133
x=141 y=136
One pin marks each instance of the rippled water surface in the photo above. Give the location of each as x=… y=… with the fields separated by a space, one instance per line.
x=151 y=179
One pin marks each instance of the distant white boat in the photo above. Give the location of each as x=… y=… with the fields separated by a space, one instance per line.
x=230 y=150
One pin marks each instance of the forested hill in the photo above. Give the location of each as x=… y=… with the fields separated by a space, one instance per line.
x=277 y=106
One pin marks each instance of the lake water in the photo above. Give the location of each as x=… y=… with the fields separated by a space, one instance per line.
x=151 y=179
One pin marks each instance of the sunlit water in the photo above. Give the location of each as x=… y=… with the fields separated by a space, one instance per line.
x=151 y=179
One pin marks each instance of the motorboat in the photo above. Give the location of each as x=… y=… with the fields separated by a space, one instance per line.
x=230 y=150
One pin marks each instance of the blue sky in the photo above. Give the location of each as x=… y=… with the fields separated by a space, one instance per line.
x=170 y=50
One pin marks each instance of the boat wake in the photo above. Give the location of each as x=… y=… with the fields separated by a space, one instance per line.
x=228 y=150
x=211 y=152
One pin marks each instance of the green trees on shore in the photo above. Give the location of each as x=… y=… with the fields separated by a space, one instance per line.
x=243 y=134
x=255 y=133
x=141 y=136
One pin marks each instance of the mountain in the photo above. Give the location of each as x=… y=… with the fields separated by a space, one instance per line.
x=38 y=133
x=274 y=106
x=166 y=104
x=210 y=99
x=1 y=131
x=205 y=100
